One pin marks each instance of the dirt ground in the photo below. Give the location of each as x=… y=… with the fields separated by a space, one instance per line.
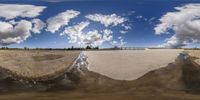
x=165 y=83
x=129 y=64
x=160 y=84
x=36 y=64
x=195 y=54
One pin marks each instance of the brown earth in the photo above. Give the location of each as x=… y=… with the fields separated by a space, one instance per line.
x=195 y=54
x=177 y=81
x=129 y=64
x=36 y=64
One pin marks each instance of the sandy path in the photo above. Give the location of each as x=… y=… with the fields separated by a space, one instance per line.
x=129 y=64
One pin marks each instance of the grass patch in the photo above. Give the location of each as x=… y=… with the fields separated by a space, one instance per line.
x=47 y=57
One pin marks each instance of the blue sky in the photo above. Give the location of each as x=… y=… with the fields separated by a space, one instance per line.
x=142 y=16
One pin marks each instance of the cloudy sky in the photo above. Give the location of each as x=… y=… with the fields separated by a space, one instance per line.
x=103 y=23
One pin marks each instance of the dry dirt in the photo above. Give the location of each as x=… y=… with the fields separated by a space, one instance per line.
x=129 y=64
x=195 y=54
x=166 y=83
x=34 y=64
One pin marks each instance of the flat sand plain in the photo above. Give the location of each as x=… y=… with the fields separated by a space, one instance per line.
x=33 y=64
x=129 y=64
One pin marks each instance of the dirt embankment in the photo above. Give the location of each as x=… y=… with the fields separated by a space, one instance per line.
x=35 y=64
x=171 y=82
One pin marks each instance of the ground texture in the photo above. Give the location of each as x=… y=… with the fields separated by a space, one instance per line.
x=195 y=54
x=34 y=64
x=178 y=80
x=129 y=64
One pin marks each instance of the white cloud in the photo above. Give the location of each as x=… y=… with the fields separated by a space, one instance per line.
x=12 y=31
x=119 y=43
x=139 y=17
x=62 y=19
x=95 y=37
x=38 y=25
x=126 y=28
x=123 y=32
x=92 y=38
x=119 y=37
x=185 y=22
x=114 y=43
x=152 y=20
x=10 y=34
x=75 y=32
x=10 y=11
x=107 y=35
x=107 y=20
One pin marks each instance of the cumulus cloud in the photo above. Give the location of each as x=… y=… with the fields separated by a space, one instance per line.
x=62 y=19
x=12 y=31
x=93 y=38
x=18 y=31
x=75 y=32
x=38 y=25
x=10 y=11
x=10 y=34
x=107 y=20
x=19 y=21
x=185 y=22
x=107 y=35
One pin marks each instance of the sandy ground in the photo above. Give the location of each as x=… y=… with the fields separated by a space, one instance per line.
x=161 y=84
x=195 y=54
x=36 y=64
x=129 y=64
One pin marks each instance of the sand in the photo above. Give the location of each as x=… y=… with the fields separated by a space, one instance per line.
x=129 y=64
x=34 y=64
x=167 y=83
x=195 y=54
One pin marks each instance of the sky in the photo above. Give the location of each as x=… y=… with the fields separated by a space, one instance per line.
x=102 y=23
